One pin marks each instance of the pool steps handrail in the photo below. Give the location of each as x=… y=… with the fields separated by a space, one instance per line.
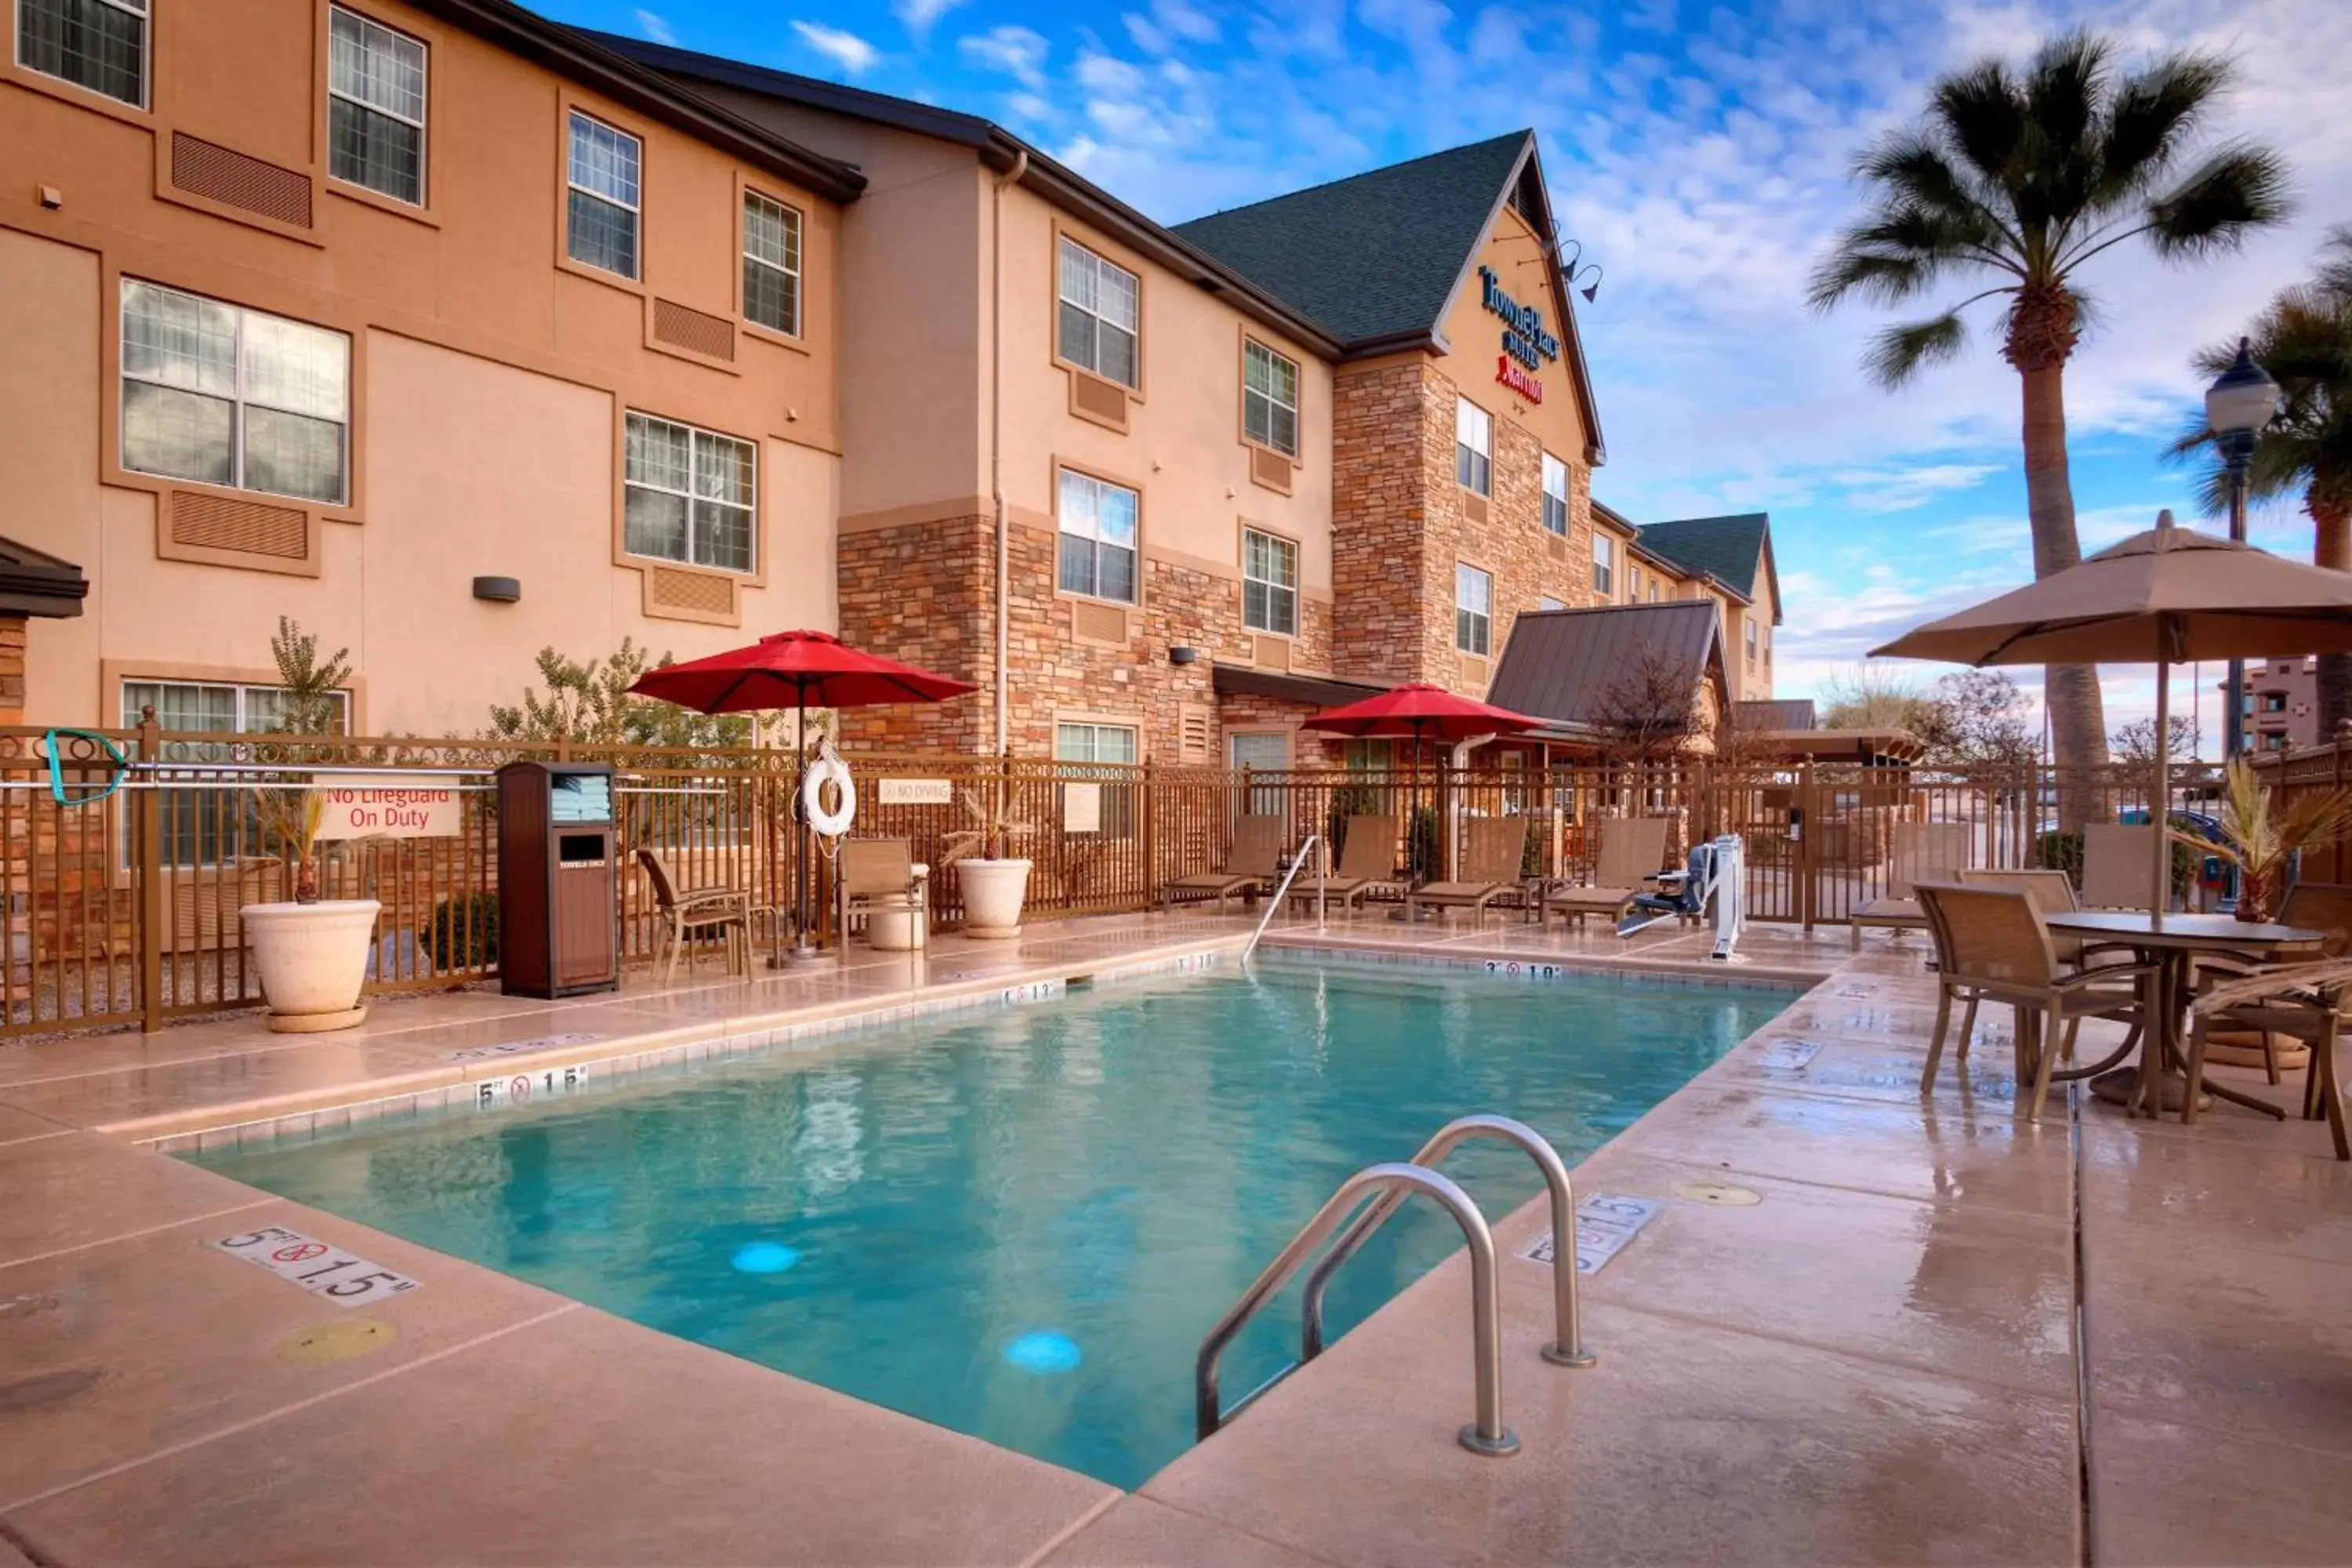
x=1297 y=864
x=1486 y=1434
x=1568 y=1348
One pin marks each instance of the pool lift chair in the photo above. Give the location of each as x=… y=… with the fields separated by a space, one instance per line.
x=1717 y=876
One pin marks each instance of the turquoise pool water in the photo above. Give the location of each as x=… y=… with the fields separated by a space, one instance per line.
x=1019 y=1223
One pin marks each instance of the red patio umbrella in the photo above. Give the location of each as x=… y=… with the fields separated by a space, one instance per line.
x=799 y=670
x=1422 y=712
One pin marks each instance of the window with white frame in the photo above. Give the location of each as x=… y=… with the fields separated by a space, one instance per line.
x=1473 y=610
x=212 y=826
x=1632 y=582
x=1269 y=398
x=224 y=396
x=1099 y=316
x=1117 y=806
x=1088 y=742
x=771 y=264
x=1473 y=438
x=1604 y=563
x=376 y=107
x=690 y=495
x=100 y=45
x=1098 y=537
x=1269 y=583
x=1555 y=494
x=1751 y=641
x=602 y=176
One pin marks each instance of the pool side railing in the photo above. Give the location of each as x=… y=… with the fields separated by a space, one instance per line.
x=1297 y=864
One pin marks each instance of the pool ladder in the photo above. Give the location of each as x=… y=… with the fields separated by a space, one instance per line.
x=1297 y=864
x=1371 y=1196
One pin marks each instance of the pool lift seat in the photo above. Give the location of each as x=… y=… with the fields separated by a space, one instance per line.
x=1715 y=877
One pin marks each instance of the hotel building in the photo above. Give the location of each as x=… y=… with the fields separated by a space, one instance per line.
x=454 y=333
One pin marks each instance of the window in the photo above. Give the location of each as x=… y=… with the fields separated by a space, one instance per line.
x=1099 y=326
x=229 y=396
x=2274 y=701
x=1474 y=434
x=602 y=175
x=689 y=495
x=1269 y=398
x=1654 y=594
x=1097 y=538
x=771 y=264
x=1632 y=582
x=375 y=107
x=1555 y=494
x=1473 y=610
x=98 y=44
x=1369 y=757
x=1269 y=583
x=1094 y=743
x=211 y=826
x=1751 y=641
x=1604 y=563
x=1262 y=751
x=1546 y=601
x=1117 y=803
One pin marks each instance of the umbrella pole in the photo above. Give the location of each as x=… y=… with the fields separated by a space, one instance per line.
x=801 y=948
x=2157 y=814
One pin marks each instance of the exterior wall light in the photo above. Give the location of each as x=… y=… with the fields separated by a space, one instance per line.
x=498 y=590
x=1184 y=655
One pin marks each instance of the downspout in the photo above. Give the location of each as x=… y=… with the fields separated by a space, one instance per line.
x=996 y=446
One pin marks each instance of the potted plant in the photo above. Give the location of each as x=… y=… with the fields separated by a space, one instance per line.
x=312 y=953
x=993 y=884
x=2260 y=837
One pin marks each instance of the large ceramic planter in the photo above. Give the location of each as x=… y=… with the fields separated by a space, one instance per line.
x=313 y=960
x=993 y=891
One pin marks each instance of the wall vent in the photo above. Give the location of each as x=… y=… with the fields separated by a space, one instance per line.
x=689 y=593
x=1092 y=397
x=1272 y=653
x=201 y=522
x=1557 y=546
x=1473 y=673
x=696 y=331
x=1270 y=468
x=1473 y=507
x=1102 y=623
x=1196 y=736
x=217 y=173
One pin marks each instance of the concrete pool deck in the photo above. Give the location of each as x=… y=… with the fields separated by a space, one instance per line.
x=1938 y=1334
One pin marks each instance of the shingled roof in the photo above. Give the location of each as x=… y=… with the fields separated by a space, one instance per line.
x=1558 y=662
x=1734 y=548
x=1376 y=254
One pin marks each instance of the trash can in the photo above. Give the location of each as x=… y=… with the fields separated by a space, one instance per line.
x=559 y=880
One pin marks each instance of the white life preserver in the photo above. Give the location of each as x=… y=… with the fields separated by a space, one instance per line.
x=828 y=769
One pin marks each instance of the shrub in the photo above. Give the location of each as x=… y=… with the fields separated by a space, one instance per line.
x=1421 y=848
x=463 y=932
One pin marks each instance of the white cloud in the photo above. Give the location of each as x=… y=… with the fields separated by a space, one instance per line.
x=656 y=27
x=919 y=16
x=846 y=49
x=1906 y=487
x=1018 y=52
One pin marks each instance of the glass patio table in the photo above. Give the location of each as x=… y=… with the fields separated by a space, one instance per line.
x=2168 y=943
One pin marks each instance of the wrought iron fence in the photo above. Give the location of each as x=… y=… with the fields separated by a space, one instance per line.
x=123 y=908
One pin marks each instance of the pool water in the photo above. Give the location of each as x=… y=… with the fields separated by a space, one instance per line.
x=1019 y=1223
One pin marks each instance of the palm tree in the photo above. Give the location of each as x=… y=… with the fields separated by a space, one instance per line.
x=2019 y=180
x=2304 y=340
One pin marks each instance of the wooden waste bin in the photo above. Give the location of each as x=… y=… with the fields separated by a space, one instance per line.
x=559 y=880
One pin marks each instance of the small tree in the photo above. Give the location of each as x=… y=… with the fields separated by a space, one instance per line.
x=1649 y=712
x=1868 y=697
x=1977 y=718
x=288 y=810
x=2134 y=744
x=589 y=704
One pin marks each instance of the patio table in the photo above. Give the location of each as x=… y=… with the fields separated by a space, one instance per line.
x=2168 y=942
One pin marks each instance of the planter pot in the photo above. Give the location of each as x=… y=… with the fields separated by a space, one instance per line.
x=993 y=891
x=313 y=958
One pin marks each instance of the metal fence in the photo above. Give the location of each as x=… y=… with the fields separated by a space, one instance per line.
x=125 y=910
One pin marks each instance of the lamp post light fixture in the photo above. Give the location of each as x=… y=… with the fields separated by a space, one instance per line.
x=2241 y=400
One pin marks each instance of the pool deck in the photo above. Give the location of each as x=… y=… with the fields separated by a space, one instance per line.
x=1937 y=1334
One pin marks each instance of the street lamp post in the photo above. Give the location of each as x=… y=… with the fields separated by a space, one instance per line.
x=2241 y=400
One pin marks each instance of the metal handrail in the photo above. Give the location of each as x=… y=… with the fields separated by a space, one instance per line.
x=1566 y=1348
x=1486 y=1434
x=1297 y=862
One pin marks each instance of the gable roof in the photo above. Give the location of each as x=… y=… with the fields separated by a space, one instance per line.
x=1375 y=256
x=1775 y=712
x=591 y=60
x=1558 y=662
x=1736 y=549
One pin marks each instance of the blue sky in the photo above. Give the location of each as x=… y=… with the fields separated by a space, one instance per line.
x=1698 y=150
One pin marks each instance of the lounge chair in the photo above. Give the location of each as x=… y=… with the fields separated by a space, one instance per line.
x=1993 y=945
x=1367 y=862
x=1924 y=852
x=1490 y=868
x=2305 y=1002
x=1633 y=849
x=687 y=913
x=2118 y=866
x=872 y=874
x=1252 y=867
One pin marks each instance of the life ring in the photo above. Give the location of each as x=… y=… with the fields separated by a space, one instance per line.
x=828 y=769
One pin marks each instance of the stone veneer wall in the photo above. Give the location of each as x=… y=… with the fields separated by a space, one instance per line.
x=922 y=593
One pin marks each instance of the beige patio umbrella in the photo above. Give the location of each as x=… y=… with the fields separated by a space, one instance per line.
x=2162 y=597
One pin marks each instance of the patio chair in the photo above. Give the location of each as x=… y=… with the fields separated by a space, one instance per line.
x=1252 y=867
x=1924 y=852
x=2119 y=872
x=1366 y=863
x=2052 y=892
x=1632 y=848
x=871 y=874
x=2303 y=1002
x=1490 y=869
x=1993 y=945
x=685 y=913
x=2313 y=905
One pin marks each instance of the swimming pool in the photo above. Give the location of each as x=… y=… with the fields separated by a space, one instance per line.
x=1019 y=1222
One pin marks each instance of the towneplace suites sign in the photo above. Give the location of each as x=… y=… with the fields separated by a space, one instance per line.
x=1527 y=343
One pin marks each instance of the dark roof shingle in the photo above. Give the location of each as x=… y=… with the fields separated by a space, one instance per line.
x=1375 y=255
x=1558 y=662
x=1730 y=548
